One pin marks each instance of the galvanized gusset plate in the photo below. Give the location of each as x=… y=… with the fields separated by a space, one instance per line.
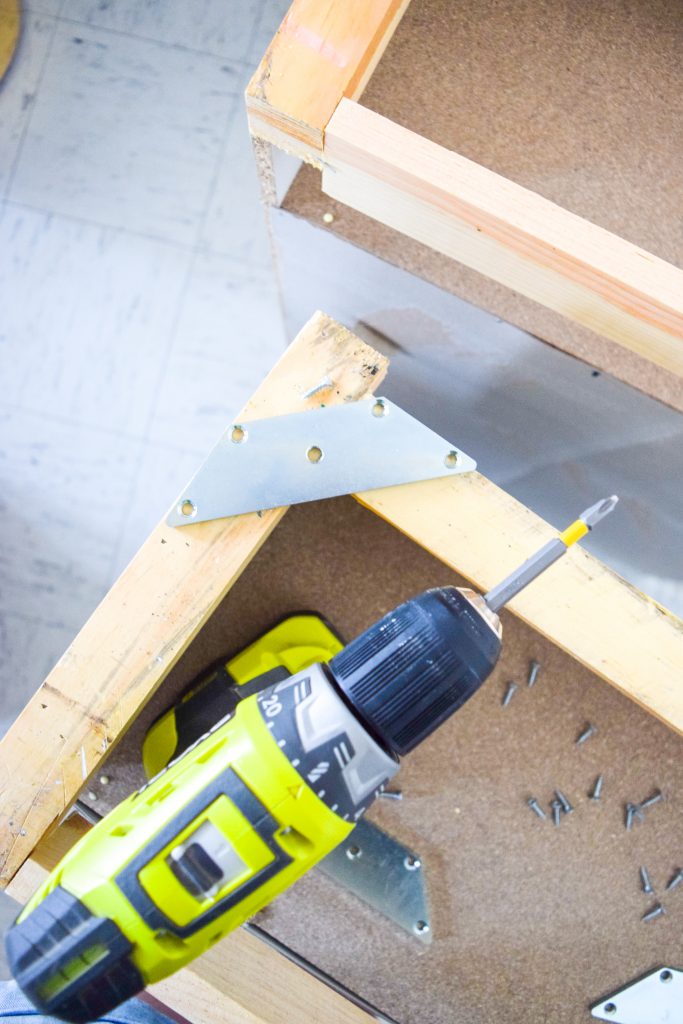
x=656 y=998
x=319 y=453
x=384 y=873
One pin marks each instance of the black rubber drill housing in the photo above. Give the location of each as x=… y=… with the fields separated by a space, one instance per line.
x=410 y=671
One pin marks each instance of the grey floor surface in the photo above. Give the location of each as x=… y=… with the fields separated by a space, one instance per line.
x=137 y=301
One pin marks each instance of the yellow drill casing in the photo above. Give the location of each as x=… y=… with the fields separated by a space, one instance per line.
x=213 y=838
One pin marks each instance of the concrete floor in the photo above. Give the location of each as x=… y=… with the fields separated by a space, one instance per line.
x=138 y=303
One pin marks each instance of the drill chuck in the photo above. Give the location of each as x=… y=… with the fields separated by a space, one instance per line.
x=410 y=671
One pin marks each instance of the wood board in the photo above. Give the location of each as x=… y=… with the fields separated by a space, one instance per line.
x=582 y=105
x=517 y=905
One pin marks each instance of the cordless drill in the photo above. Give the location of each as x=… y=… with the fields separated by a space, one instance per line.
x=255 y=801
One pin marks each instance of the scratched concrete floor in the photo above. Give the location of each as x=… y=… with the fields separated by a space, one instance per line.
x=138 y=303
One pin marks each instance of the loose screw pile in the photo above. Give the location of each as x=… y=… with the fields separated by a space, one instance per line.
x=658 y=909
x=560 y=806
x=635 y=812
x=534 y=669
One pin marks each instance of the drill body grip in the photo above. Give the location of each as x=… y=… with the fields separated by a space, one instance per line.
x=217 y=835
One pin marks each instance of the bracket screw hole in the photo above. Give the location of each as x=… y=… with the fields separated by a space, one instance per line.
x=421 y=927
x=610 y=1008
x=379 y=408
x=451 y=460
x=238 y=434
x=187 y=508
x=314 y=453
x=353 y=852
x=666 y=976
x=412 y=863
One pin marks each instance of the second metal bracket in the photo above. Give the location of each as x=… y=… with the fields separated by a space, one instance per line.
x=319 y=453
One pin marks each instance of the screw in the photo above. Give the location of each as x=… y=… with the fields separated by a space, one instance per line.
x=675 y=880
x=632 y=811
x=534 y=669
x=597 y=788
x=589 y=731
x=328 y=218
x=92 y=796
x=645 y=881
x=557 y=811
x=326 y=382
x=654 y=799
x=656 y=911
x=391 y=794
x=509 y=694
x=536 y=807
x=105 y=780
x=566 y=806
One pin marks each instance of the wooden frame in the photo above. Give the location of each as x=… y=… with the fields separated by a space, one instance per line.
x=460 y=209
x=124 y=651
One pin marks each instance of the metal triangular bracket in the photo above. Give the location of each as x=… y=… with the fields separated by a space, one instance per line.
x=656 y=998
x=319 y=453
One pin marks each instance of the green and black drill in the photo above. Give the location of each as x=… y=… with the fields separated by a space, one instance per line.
x=249 y=799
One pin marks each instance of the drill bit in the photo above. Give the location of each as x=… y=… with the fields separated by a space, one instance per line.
x=548 y=554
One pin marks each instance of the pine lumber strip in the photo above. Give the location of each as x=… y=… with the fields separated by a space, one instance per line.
x=240 y=981
x=151 y=614
x=580 y=604
x=323 y=50
x=505 y=231
x=10 y=29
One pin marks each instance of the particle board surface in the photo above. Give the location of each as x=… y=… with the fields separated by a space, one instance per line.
x=529 y=922
x=582 y=103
